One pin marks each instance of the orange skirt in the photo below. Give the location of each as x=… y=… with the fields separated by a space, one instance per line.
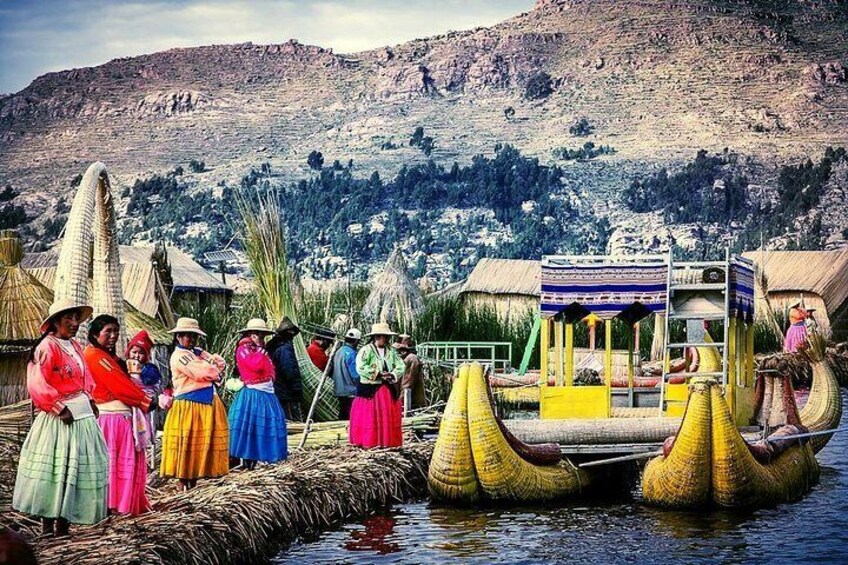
x=195 y=442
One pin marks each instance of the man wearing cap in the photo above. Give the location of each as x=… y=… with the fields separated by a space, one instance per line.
x=287 y=385
x=317 y=350
x=345 y=377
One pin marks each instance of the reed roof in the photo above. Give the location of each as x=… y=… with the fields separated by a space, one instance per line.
x=505 y=276
x=394 y=295
x=821 y=272
x=23 y=299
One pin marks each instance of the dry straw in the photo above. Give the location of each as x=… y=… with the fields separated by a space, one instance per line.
x=246 y=516
x=394 y=297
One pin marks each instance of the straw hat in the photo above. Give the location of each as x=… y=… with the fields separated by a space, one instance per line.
x=187 y=326
x=257 y=325
x=61 y=306
x=381 y=328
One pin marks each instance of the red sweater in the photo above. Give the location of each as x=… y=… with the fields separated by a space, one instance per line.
x=317 y=355
x=55 y=375
x=112 y=383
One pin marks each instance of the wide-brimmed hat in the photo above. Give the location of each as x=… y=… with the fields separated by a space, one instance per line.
x=323 y=333
x=257 y=325
x=187 y=326
x=286 y=325
x=406 y=344
x=381 y=328
x=65 y=305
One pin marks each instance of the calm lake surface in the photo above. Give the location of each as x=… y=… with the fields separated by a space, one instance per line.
x=814 y=530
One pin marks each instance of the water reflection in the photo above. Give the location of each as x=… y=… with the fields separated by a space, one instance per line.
x=623 y=530
x=374 y=537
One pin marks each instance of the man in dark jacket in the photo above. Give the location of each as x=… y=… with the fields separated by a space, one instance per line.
x=287 y=385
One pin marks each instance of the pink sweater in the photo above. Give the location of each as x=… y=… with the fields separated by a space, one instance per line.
x=254 y=365
x=190 y=372
x=55 y=375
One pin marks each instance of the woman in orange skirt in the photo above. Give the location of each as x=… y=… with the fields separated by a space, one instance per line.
x=196 y=439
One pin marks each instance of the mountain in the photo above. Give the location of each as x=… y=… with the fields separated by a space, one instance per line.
x=655 y=80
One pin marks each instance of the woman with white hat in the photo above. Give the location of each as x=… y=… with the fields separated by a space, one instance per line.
x=375 y=417
x=257 y=423
x=63 y=471
x=195 y=442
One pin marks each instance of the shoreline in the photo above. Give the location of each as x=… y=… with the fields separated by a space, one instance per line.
x=249 y=515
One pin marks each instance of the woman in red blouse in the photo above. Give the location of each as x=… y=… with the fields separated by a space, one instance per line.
x=63 y=471
x=116 y=395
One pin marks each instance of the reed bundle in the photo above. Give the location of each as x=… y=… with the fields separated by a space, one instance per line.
x=263 y=238
x=248 y=515
x=394 y=297
x=594 y=431
x=709 y=463
x=15 y=421
x=823 y=410
x=337 y=432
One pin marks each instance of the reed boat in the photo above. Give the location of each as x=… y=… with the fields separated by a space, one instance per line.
x=476 y=456
x=709 y=462
x=823 y=410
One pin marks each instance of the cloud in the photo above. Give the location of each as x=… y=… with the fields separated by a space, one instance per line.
x=52 y=35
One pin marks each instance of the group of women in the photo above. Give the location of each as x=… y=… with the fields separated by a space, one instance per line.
x=85 y=455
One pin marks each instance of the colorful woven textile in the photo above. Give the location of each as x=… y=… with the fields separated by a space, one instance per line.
x=742 y=289
x=605 y=290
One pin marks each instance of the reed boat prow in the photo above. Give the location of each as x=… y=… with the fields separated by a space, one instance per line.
x=710 y=462
x=502 y=467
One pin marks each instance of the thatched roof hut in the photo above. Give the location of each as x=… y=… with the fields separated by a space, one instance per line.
x=394 y=298
x=510 y=286
x=24 y=301
x=23 y=304
x=820 y=277
x=143 y=284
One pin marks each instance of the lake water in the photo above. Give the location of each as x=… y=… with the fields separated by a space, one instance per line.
x=814 y=530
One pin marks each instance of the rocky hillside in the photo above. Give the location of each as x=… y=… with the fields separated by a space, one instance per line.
x=656 y=80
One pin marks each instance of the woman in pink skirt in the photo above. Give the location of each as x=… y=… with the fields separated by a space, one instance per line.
x=796 y=335
x=375 y=417
x=116 y=395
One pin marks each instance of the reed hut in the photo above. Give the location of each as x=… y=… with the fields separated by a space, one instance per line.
x=819 y=277
x=510 y=286
x=394 y=298
x=23 y=305
x=24 y=301
x=152 y=279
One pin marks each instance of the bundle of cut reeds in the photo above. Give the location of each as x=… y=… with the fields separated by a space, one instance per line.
x=246 y=516
x=264 y=242
x=823 y=409
x=15 y=421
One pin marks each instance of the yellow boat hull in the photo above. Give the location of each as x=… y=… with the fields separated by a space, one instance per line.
x=499 y=472
x=710 y=463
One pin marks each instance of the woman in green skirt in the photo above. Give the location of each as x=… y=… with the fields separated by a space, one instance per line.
x=63 y=471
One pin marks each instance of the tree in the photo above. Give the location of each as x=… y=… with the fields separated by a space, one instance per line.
x=539 y=86
x=315 y=160
x=427 y=145
x=197 y=166
x=509 y=113
x=581 y=128
x=417 y=137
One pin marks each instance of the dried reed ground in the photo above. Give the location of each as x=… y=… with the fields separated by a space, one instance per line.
x=247 y=515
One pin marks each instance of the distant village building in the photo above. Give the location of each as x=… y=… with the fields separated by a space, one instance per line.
x=510 y=286
x=819 y=277
x=144 y=283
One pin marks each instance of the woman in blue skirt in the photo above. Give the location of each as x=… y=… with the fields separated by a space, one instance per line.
x=257 y=422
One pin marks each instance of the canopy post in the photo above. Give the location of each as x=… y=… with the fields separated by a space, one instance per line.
x=543 y=354
x=569 y=354
x=630 y=368
x=558 y=353
x=608 y=362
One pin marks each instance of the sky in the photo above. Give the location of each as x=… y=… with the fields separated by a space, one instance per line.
x=39 y=36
